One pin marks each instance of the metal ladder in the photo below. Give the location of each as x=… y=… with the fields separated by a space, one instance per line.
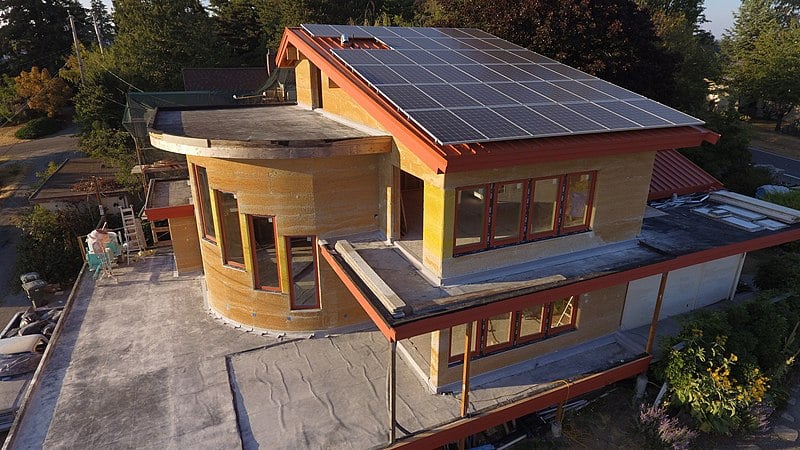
x=132 y=226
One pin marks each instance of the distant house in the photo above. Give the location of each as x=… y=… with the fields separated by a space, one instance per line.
x=465 y=195
x=82 y=180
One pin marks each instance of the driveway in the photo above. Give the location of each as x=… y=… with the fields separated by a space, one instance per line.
x=790 y=167
x=33 y=156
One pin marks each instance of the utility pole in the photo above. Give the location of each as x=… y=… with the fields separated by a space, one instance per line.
x=77 y=45
x=97 y=32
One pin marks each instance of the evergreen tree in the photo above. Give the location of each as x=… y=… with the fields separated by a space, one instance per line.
x=101 y=22
x=36 y=33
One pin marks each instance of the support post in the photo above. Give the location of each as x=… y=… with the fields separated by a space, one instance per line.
x=392 y=392
x=465 y=378
x=656 y=313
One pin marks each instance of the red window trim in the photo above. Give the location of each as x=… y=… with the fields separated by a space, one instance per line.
x=254 y=259
x=315 y=256
x=201 y=195
x=225 y=259
x=516 y=339
x=457 y=250
x=556 y=219
x=497 y=347
x=589 y=203
x=522 y=213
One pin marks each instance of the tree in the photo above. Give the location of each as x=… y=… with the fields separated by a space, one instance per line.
x=101 y=22
x=34 y=33
x=612 y=39
x=10 y=102
x=157 y=38
x=764 y=54
x=42 y=92
x=245 y=26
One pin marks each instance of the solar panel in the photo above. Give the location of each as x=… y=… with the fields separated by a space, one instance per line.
x=603 y=116
x=489 y=123
x=486 y=95
x=464 y=85
x=448 y=96
x=567 y=118
x=446 y=127
x=409 y=97
x=530 y=121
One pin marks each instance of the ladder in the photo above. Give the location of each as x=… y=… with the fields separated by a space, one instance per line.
x=132 y=226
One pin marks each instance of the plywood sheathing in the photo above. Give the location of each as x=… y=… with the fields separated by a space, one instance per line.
x=185 y=244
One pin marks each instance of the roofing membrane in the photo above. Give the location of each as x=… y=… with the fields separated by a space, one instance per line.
x=457 y=85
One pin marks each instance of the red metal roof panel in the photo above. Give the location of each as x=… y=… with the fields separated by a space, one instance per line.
x=673 y=173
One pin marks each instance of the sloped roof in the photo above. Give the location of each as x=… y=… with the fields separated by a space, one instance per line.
x=64 y=182
x=474 y=149
x=674 y=173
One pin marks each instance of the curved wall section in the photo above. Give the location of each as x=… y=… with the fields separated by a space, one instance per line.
x=323 y=197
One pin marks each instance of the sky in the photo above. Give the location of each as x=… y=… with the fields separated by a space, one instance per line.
x=719 y=14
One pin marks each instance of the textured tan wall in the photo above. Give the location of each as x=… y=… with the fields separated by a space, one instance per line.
x=185 y=244
x=599 y=314
x=324 y=197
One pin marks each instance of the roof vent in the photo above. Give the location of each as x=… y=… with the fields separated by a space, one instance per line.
x=344 y=39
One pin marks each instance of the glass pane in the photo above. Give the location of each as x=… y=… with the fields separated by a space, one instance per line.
x=498 y=330
x=205 y=202
x=531 y=321
x=266 y=257
x=576 y=210
x=231 y=233
x=545 y=201
x=470 y=216
x=506 y=215
x=457 y=339
x=562 y=312
x=303 y=274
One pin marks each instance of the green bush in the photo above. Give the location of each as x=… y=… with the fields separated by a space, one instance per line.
x=37 y=128
x=782 y=272
x=48 y=242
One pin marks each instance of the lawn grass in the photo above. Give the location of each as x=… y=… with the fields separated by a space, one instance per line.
x=764 y=137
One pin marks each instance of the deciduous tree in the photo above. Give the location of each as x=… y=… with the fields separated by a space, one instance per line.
x=42 y=92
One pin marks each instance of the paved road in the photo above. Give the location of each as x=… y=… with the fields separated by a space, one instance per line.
x=790 y=167
x=33 y=156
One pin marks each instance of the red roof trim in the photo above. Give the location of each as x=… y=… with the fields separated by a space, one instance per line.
x=674 y=173
x=456 y=158
x=169 y=212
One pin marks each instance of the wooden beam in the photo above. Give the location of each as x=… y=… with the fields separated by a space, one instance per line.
x=656 y=313
x=392 y=392
x=465 y=371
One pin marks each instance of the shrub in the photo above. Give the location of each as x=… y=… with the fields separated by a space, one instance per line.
x=37 y=128
x=782 y=271
x=663 y=431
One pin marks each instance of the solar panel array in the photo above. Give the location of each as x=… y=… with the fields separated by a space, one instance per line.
x=465 y=85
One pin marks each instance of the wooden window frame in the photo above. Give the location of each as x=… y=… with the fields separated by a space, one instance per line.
x=522 y=214
x=201 y=196
x=557 y=213
x=589 y=203
x=484 y=242
x=315 y=256
x=516 y=340
x=225 y=259
x=254 y=258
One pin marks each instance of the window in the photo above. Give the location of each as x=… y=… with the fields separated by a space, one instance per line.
x=472 y=206
x=302 y=259
x=203 y=195
x=232 y=251
x=520 y=327
x=264 y=253
x=520 y=211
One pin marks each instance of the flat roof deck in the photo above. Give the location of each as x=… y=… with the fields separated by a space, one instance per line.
x=140 y=363
x=673 y=236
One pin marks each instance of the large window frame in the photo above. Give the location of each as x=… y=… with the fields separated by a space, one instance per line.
x=227 y=241
x=564 y=194
x=204 y=204
x=257 y=281
x=548 y=328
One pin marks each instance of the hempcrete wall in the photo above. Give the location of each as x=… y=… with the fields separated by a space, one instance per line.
x=323 y=197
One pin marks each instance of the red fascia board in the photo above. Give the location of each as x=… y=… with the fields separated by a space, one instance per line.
x=439 y=322
x=373 y=103
x=169 y=212
x=482 y=421
x=387 y=331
